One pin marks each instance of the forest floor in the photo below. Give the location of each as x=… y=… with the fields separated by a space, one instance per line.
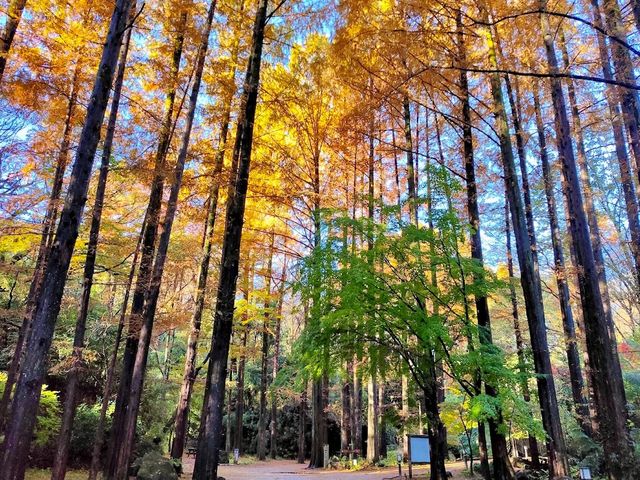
x=290 y=470
x=281 y=470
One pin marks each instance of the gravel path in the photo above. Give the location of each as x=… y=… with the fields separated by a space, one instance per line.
x=289 y=470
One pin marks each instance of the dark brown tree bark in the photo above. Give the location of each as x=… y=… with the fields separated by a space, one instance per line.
x=624 y=71
x=14 y=15
x=302 y=425
x=59 y=468
x=356 y=410
x=571 y=346
x=240 y=395
x=606 y=374
x=48 y=227
x=622 y=155
x=111 y=369
x=411 y=183
x=502 y=468
x=151 y=300
x=275 y=365
x=520 y=346
x=227 y=435
x=514 y=104
x=206 y=466
x=149 y=234
x=318 y=404
x=587 y=195
x=345 y=418
x=19 y=430
x=264 y=360
x=530 y=282
x=188 y=379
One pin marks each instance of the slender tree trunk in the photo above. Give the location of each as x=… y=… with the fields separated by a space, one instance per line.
x=227 y=436
x=302 y=425
x=530 y=281
x=106 y=394
x=357 y=407
x=150 y=230
x=606 y=374
x=59 y=468
x=622 y=155
x=372 y=420
x=151 y=301
x=345 y=419
x=19 y=430
x=318 y=405
x=275 y=365
x=206 y=466
x=188 y=379
x=240 y=394
x=413 y=207
x=624 y=71
x=48 y=226
x=514 y=104
x=587 y=195
x=436 y=429
x=520 y=347
x=264 y=361
x=14 y=14
x=502 y=468
x=571 y=345
x=382 y=427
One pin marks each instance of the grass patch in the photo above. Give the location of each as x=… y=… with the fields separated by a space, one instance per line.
x=45 y=474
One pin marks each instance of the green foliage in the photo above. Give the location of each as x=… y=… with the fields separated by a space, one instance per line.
x=48 y=421
x=406 y=291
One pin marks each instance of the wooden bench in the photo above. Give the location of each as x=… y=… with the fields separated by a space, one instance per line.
x=192 y=448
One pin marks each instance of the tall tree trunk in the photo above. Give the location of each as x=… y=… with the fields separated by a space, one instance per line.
x=48 y=227
x=302 y=425
x=372 y=420
x=264 y=361
x=357 y=407
x=587 y=194
x=571 y=345
x=626 y=173
x=514 y=104
x=624 y=71
x=240 y=395
x=382 y=427
x=19 y=430
x=502 y=468
x=227 y=436
x=345 y=419
x=436 y=429
x=275 y=365
x=206 y=466
x=59 y=468
x=151 y=300
x=98 y=440
x=606 y=374
x=150 y=230
x=413 y=206
x=318 y=405
x=530 y=282
x=520 y=347
x=14 y=14
x=188 y=378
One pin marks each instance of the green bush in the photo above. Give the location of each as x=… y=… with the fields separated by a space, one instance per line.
x=48 y=421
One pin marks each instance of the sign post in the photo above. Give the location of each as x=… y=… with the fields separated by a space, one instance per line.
x=325 y=451
x=419 y=451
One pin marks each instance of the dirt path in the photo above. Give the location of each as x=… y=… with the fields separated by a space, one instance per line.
x=289 y=470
